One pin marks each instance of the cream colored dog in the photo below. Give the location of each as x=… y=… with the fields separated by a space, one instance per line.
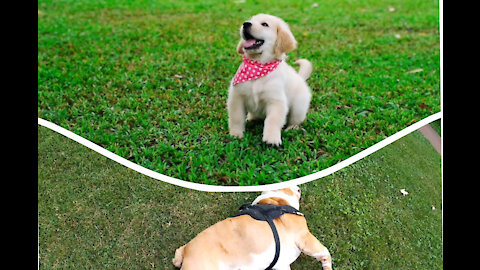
x=241 y=243
x=280 y=97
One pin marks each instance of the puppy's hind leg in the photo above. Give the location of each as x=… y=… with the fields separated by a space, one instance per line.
x=251 y=117
x=298 y=111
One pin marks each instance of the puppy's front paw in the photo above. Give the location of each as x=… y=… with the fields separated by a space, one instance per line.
x=272 y=137
x=236 y=133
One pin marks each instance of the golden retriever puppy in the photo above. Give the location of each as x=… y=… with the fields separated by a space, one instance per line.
x=265 y=86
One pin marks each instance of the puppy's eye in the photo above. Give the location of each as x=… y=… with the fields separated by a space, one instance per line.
x=265 y=24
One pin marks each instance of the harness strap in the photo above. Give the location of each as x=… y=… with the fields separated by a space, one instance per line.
x=277 y=243
x=265 y=212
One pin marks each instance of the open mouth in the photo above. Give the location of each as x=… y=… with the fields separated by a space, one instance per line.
x=250 y=41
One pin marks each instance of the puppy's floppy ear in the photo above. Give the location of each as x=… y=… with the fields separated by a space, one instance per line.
x=285 y=40
x=240 y=47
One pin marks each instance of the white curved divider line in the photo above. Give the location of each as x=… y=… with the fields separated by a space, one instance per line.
x=213 y=188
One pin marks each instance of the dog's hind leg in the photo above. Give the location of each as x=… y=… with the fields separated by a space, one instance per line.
x=251 y=117
x=177 y=261
x=298 y=110
x=200 y=265
x=310 y=245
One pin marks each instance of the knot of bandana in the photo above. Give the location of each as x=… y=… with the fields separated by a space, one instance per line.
x=251 y=70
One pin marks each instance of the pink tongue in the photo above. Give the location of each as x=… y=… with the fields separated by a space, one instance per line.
x=249 y=43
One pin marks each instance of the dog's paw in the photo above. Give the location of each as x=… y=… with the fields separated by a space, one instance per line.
x=327 y=266
x=295 y=127
x=236 y=133
x=326 y=259
x=250 y=117
x=272 y=138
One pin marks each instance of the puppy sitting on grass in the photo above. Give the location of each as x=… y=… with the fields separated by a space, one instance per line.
x=265 y=86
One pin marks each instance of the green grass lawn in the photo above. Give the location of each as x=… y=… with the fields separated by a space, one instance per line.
x=148 y=81
x=94 y=213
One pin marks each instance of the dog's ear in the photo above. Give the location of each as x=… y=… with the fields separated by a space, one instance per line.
x=285 y=40
x=240 y=47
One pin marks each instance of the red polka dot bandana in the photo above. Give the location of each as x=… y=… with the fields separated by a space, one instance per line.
x=251 y=70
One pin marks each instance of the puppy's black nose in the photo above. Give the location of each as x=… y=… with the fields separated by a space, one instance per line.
x=247 y=25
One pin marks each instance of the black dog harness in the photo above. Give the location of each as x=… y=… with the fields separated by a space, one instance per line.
x=268 y=212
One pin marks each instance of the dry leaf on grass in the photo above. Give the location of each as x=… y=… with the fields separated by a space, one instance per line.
x=415 y=70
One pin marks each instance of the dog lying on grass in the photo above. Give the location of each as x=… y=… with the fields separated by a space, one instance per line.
x=265 y=86
x=243 y=242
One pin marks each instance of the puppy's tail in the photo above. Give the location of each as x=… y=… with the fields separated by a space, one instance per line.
x=177 y=261
x=305 y=68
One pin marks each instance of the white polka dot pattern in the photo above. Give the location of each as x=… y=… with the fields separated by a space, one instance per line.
x=251 y=70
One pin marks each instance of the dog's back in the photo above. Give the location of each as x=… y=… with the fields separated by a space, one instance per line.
x=241 y=243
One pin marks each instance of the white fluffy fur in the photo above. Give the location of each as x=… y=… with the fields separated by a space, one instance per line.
x=281 y=97
x=292 y=200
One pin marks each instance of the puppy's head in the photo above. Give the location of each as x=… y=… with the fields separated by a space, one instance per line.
x=265 y=35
